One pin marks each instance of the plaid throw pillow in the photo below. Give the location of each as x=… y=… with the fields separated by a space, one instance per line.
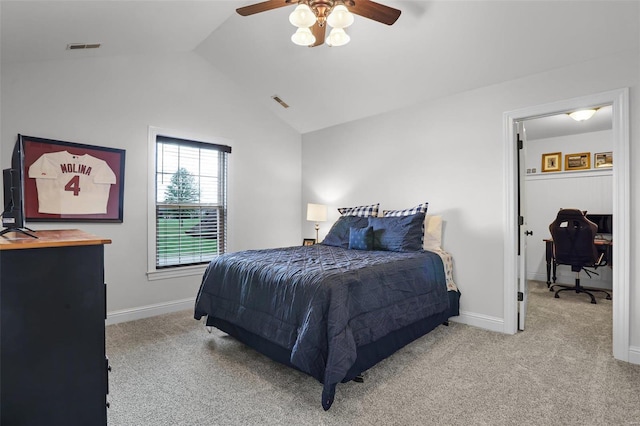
x=362 y=211
x=420 y=208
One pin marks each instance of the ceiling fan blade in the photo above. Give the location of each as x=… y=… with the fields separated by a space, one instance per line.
x=262 y=7
x=319 y=33
x=376 y=11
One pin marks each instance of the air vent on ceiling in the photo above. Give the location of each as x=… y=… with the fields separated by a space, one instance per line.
x=79 y=46
x=280 y=101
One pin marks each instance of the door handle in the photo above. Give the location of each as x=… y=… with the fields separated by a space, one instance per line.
x=528 y=232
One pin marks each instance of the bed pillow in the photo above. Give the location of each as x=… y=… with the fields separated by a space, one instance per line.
x=420 y=208
x=361 y=238
x=362 y=211
x=338 y=235
x=432 y=232
x=402 y=233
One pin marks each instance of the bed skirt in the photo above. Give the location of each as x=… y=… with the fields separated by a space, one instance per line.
x=367 y=355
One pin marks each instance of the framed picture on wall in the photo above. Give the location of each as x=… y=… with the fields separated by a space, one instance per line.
x=580 y=161
x=603 y=160
x=67 y=181
x=551 y=162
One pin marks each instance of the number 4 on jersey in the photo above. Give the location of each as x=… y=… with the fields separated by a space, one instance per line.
x=73 y=185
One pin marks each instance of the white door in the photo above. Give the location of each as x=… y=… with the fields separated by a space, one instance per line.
x=523 y=232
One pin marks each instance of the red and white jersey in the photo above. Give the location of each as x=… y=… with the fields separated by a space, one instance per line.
x=72 y=184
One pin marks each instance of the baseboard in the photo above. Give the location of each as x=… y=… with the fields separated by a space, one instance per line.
x=634 y=354
x=147 y=311
x=480 y=321
x=569 y=279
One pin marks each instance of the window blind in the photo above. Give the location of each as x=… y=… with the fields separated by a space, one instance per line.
x=191 y=201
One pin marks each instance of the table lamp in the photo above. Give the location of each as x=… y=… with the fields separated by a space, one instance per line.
x=316 y=213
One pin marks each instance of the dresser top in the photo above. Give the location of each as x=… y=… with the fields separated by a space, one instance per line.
x=57 y=238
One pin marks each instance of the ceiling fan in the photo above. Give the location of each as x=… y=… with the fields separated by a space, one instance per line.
x=311 y=17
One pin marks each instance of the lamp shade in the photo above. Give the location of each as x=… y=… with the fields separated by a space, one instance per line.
x=340 y=17
x=302 y=16
x=303 y=37
x=337 y=37
x=316 y=212
x=582 y=114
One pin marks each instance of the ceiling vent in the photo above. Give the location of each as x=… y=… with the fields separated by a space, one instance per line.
x=280 y=101
x=80 y=46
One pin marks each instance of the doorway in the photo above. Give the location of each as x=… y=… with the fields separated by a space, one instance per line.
x=551 y=187
x=619 y=99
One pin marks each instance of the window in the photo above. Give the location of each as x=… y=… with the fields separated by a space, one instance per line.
x=190 y=206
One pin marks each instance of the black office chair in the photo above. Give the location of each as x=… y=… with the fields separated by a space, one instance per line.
x=573 y=245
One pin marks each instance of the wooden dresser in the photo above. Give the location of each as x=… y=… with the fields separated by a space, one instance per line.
x=53 y=367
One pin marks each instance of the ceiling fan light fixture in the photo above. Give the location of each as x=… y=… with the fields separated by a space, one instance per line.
x=582 y=114
x=338 y=37
x=303 y=37
x=340 y=17
x=317 y=15
x=302 y=16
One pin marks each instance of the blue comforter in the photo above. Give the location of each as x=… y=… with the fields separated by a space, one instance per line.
x=322 y=302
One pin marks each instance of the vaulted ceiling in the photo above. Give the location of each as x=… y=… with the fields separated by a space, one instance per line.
x=435 y=49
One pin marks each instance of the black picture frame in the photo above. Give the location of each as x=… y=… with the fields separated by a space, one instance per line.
x=53 y=155
x=308 y=241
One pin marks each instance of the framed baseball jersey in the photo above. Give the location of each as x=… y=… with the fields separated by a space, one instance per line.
x=66 y=181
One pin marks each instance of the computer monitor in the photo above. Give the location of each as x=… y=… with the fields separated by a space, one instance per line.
x=604 y=222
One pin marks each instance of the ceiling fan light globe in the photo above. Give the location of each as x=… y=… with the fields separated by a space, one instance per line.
x=302 y=16
x=340 y=17
x=337 y=37
x=582 y=115
x=303 y=37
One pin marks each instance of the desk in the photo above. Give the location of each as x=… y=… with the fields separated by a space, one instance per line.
x=603 y=246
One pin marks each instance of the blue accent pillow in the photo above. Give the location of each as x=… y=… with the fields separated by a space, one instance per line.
x=401 y=233
x=338 y=235
x=361 y=238
x=420 y=208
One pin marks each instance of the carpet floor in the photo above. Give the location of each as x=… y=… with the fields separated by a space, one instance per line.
x=168 y=370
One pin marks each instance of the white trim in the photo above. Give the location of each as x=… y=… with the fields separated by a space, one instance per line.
x=481 y=321
x=510 y=220
x=634 y=354
x=182 y=271
x=569 y=279
x=621 y=227
x=151 y=199
x=570 y=175
x=621 y=209
x=141 y=312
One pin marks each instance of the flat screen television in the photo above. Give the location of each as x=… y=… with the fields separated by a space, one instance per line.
x=13 y=188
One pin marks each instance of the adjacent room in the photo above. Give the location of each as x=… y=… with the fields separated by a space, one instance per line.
x=219 y=129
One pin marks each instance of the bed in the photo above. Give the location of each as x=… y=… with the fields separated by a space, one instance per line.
x=329 y=310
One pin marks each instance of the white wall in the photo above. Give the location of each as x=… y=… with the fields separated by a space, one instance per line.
x=111 y=102
x=450 y=152
x=546 y=193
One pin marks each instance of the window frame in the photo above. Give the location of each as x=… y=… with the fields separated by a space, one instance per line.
x=154 y=273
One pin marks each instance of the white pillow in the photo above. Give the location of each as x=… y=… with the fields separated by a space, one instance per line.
x=432 y=232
